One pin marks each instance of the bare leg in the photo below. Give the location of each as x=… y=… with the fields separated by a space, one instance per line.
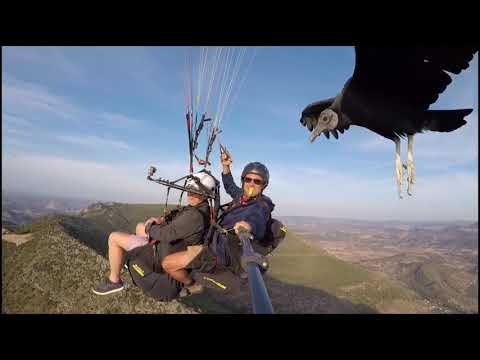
x=410 y=166
x=398 y=167
x=140 y=229
x=117 y=245
x=175 y=264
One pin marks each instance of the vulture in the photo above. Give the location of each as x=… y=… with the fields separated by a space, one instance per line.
x=390 y=93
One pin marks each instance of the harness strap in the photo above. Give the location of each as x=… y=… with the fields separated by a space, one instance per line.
x=164 y=245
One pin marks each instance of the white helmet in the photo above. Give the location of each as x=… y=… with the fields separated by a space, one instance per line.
x=205 y=179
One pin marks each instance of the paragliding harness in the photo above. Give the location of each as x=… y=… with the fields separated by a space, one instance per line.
x=144 y=262
x=246 y=259
x=274 y=234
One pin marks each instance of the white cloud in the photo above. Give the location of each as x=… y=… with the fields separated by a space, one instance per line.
x=17 y=132
x=94 y=141
x=311 y=171
x=25 y=103
x=287 y=112
x=294 y=191
x=13 y=142
x=375 y=143
x=116 y=119
x=372 y=196
x=459 y=144
x=47 y=58
x=88 y=179
x=29 y=100
x=292 y=145
x=433 y=149
x=12 y=119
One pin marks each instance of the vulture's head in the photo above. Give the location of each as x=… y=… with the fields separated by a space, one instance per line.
x=324 y=122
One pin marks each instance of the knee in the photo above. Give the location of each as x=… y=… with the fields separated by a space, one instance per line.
x=167 y=264
x=112 y=238
x=140 y=229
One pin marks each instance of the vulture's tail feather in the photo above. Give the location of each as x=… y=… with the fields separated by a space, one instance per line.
x=445 y=120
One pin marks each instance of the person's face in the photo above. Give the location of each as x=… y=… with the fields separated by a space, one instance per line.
x=194 y=199
x=253 y=185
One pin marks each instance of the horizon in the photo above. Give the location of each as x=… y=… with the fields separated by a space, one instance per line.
x=95 y=201
x=87 y=122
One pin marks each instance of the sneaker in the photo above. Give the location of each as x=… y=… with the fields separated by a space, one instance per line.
x=107 y=287
x=193 y=289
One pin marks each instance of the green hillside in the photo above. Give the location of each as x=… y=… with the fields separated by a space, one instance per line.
x=446 y=286
x=295 y=262
x=93 y=227
x=54 y=273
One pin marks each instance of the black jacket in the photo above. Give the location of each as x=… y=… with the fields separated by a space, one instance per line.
x=188 y=225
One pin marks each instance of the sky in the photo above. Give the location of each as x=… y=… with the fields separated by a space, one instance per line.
x=87 y=122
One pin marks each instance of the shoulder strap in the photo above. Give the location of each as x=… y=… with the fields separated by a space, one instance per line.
x=232 y=205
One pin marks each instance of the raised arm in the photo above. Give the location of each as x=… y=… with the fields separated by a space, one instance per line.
x=228 y=183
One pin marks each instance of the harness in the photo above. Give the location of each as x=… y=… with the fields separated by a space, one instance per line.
x=163 y=248
x=233 y=247
x=206 y=221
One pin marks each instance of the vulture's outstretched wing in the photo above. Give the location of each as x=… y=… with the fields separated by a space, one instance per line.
x=390 y=93
x=408 y=76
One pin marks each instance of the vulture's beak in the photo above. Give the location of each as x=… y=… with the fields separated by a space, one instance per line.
x=318 y=130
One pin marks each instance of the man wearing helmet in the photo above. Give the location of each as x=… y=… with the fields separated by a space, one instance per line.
x=184 y=230
x=255 y=177
x=250 y=209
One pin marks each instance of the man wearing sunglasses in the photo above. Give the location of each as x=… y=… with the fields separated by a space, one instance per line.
x=251 y=214
x=250 y=209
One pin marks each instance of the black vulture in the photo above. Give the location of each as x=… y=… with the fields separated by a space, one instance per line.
x=389 y=93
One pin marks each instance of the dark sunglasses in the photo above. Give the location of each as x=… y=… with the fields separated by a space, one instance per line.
x=255 y=181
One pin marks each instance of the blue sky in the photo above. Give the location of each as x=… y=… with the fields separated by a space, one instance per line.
x=88 y=121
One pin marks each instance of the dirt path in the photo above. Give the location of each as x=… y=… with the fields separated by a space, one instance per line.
x=17 y=239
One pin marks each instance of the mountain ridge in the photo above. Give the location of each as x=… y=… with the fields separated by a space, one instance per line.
x=66 y=251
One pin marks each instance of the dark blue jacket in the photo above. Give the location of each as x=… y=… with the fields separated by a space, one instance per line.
x=255 y=214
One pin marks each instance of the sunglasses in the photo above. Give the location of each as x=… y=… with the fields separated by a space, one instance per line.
x=255 y=181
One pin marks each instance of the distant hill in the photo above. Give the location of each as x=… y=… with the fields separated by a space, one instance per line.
x=436 y=260
x=55 y=271
x=453 y=235
x=297 y=262
x=431 y=276
x=22 y=208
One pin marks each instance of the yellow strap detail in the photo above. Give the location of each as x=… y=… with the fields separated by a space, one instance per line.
x=215 y=282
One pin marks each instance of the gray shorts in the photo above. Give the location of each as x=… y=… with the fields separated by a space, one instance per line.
x=135 y=241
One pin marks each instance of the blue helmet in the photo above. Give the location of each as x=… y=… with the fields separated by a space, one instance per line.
x=256 y=168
